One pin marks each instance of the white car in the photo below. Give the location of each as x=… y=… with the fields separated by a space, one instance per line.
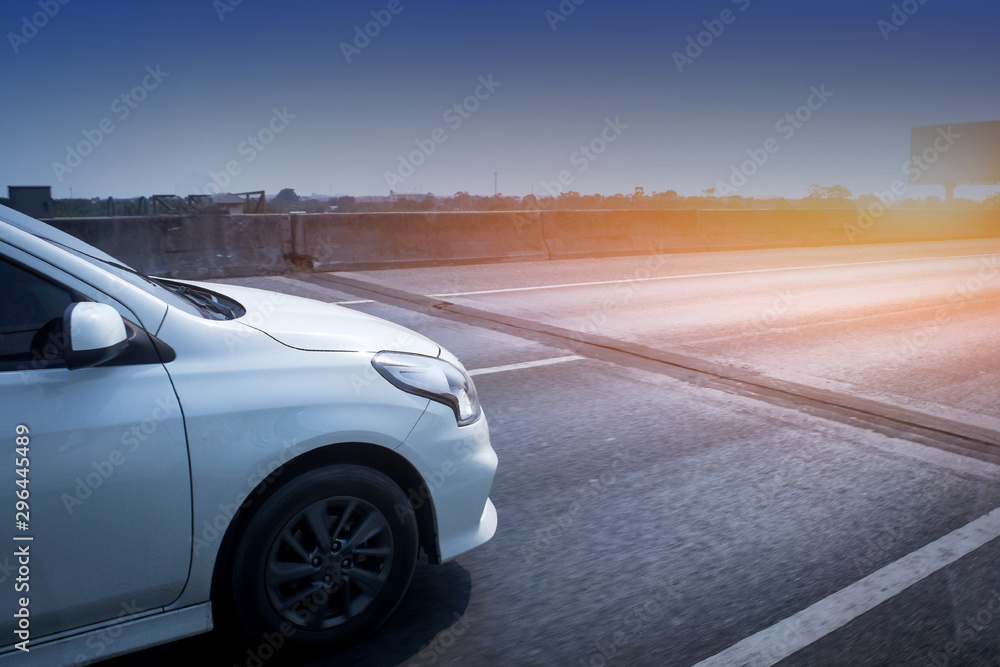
x=180 y=454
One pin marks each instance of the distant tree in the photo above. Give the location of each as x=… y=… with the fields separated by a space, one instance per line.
x=344 y=204
x=76 y=208
x=569 y=201
x=286 y=195
x=315 y=205
x=462 y=201
x=667 y=199
x=835 y=195
x=709 y=200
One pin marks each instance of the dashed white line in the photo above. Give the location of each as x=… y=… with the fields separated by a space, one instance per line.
x=702 y=275
x=354 y=303
x=526 y=364
x=784 y=638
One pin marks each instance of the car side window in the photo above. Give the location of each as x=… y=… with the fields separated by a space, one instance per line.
x=31 y=311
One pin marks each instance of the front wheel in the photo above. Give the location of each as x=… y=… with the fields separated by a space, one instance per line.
x=326 y=559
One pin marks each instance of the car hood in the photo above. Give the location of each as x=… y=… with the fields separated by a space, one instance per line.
x=306 y=324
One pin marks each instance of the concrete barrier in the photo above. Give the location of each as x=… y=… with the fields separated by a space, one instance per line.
x=218 y=246
x=327 y=242
x=747 y=229
x=900 y=225
x=203 y=246
x=621 y=232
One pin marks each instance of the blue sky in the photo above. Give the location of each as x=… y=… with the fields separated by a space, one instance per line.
x=244 y=95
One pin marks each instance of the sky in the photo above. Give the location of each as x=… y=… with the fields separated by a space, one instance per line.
x=360 y=97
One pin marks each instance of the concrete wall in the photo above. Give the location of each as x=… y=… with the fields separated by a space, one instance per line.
x=203 y=246
x=215 y=246
x=588 y=233
x=919 y=225
x=775 y=229
x=327 y=242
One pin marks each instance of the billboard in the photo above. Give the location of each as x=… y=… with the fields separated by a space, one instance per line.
x=955 y=154
x=33 y=200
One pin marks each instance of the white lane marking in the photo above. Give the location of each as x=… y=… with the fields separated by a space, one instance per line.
x=704 y=275
x=784 y=638
x=526 y=364
x=353 y=303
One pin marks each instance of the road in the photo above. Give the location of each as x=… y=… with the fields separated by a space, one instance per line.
x=760 y=457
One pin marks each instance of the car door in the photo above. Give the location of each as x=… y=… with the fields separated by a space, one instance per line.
x=104 y=530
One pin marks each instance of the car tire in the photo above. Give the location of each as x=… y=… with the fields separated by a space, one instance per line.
x=325 y=559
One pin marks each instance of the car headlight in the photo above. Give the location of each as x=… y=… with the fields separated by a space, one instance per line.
x=431 y=378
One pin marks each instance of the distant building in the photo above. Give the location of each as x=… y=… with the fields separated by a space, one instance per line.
x=229 y=204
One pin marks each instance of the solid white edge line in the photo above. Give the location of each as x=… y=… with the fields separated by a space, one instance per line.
x=784 y=638
x=703 y=275
x=353 y=303
x=526 y=364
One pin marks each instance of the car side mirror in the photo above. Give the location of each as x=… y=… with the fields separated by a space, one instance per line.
x=95 y=333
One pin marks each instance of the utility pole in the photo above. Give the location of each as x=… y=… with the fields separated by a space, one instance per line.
x=495 y=184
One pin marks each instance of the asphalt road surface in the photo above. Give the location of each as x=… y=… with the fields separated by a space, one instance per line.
x=760 y=457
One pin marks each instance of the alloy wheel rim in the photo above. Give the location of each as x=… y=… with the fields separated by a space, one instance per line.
x=329 y=563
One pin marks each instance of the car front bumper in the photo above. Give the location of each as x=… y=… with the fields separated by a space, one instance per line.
x=457 y=465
